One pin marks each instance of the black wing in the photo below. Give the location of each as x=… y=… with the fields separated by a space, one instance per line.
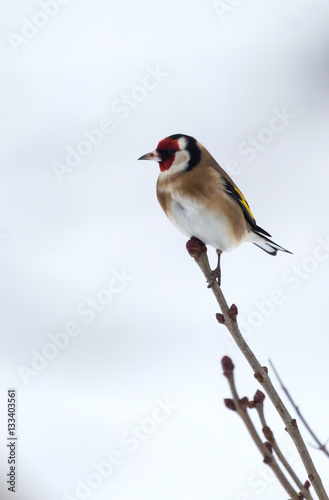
x=240 y=199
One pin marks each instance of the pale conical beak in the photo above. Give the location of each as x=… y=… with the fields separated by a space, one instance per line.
x=154 y=155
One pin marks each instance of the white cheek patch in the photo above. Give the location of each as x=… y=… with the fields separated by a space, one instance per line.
x=181 y=160
x=179 y=165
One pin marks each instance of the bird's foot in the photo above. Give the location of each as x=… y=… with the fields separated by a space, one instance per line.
x=215 y=275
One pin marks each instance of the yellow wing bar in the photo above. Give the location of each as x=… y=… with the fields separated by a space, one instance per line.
x=244 y=202
x=240 y=199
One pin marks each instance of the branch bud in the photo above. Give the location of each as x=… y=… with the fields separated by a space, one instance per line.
x=229 y=403
x=233 y=312
x=243 y=402
x=268 y=446
x=220 y=318
x=268 y=434
x=195 y=247
x=258 y=376
x=259 y=397
x=228 y=366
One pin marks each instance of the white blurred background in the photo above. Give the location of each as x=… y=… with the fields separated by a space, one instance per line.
x=136 y=378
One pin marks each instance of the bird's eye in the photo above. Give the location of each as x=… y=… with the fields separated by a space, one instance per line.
x=171 y=151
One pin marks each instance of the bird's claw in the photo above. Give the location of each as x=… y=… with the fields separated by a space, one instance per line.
x=214 y=276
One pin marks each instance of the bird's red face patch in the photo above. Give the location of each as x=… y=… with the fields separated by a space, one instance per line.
x=167 y=149
x=168 y=143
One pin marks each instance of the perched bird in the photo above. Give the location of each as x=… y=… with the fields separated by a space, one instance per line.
x=201 y=199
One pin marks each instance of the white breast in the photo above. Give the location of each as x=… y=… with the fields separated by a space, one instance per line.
x=193 y=219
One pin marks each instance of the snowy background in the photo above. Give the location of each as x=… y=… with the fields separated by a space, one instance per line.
x=108 y=330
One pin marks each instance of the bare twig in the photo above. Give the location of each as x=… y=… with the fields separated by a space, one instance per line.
x=320 y=446
x=240 y=406
x=259 y=405
x=199 y=252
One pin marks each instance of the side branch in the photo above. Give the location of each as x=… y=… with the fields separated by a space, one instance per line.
x=321 y=446
x=259 y=405
x=240 y=406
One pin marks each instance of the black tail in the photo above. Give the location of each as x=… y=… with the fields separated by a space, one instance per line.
x=266 y=244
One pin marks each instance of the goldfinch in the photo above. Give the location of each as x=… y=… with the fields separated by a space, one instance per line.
x=201 y=199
